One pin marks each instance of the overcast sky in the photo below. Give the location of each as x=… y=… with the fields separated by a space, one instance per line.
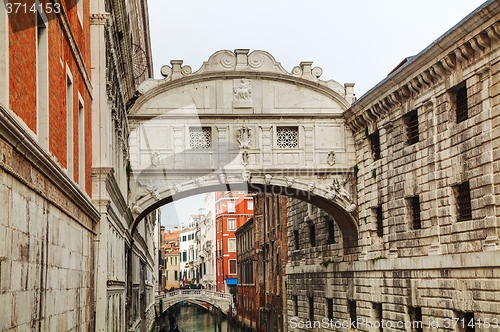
x=353 y=41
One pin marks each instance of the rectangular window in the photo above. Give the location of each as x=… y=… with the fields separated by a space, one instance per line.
x=351 y=306
x=296 y=239
x=231 y=224
x=461 y=103
x=42 y=77
x=377 y=312
x=411 y=121
x=184 y=238
x=231 y=245
x=415 y=314
x=175 y=260
x=200 y=137
x=250 y=205
x=380 y=222
x=287 y=137
x=466 y=321
x=312 y=235
x=167 y=275
x=330 y=224
x=295 y=305
x=81 y=145
x=69 y=125
x=375 y=143
x=232 y=266
x=329 y=308
x=176 y=275
x=231 y=207
x=463 y=202
x=311 y=308
x=414 y=204
x=184 y=256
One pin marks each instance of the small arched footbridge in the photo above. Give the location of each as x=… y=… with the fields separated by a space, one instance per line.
x=196 y=296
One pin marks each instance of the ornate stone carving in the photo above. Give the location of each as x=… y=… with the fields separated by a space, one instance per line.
x=244 y=137
x=268 y=178
x=289 y=181
x=330 y=158
x=177 y=188
x=311 y=186
x=245 y=158
x=153 y=190
x=338 y=189
x=246 y=176
x=199 y=182
x=222 y=178
x=155 y=159
x=244 y=90
x=136 y=209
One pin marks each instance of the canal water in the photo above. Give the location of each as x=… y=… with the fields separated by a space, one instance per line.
x=195 y=319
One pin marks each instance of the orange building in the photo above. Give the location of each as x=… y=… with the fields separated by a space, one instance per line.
x=170 y=253
x=233 y=209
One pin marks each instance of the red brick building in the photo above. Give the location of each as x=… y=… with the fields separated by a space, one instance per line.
x=49 y=80
x=262 y=255
x=233 y=209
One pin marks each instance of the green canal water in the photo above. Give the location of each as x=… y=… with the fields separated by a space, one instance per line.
x=195 y=319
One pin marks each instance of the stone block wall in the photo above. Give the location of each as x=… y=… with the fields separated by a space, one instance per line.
x=46 y=252
x=438 y=262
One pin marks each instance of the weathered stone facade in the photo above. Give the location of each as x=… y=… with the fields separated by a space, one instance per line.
x=428 y=196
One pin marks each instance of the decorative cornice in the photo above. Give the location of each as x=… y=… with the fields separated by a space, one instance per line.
x=73 y=46
x=99 y=19
x=258 y=64
x=14 y=133
x=421 y=74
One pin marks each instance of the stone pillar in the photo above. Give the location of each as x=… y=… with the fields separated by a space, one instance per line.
x=309 y=145
x=178 y=148
x=267 y=145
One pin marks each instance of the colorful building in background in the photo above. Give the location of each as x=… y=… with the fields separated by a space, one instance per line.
x=233 y=209
x=171 y=270
x=188 y=251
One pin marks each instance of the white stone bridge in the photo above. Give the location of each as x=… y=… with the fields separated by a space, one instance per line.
x=222 y=301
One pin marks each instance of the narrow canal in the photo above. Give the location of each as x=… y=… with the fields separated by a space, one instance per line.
x=192 y=318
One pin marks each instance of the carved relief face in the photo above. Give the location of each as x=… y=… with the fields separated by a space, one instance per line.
x=222 y=178
x=311 y=186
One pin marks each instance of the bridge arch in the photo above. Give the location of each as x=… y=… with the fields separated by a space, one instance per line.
x=222 y=301
x=242 y=122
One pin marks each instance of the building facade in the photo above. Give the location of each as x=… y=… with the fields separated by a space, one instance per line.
x=48 y=222
x=233 y=209
x=188 y=249
x=262 y=256
x=427 y=141
x=171 y=269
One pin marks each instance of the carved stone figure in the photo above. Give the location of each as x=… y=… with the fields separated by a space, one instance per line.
x=289 y=181
x=311 y=186
x=222 y=178
x=246 y=176
x=243 y=91
x=244 y=138
x=245 y=158
x=338 y=188
x=199 y=182
x=268 y=178
x=153 y=190
x=177 y=188
x=136 y=209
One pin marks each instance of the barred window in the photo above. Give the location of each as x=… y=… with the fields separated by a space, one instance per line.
x=375 y=143
x=311 y=308
x=415 y=314
x=461 y=99
x=415 y=212
x=200 y=137
x=463 y=201
x=411 y=121
x=351 y=306
x=287 y=137
x=329 y=305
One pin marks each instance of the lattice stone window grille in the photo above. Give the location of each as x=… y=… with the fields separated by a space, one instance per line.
x=200 y=137
x=287 y=137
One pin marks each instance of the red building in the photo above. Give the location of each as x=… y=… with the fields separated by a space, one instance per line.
x=48 y=74
x=262 y=256
x=233 y=209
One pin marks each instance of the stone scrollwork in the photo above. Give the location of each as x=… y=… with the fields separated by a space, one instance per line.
x=330 y=158
x=268 y=178
x=244 y=137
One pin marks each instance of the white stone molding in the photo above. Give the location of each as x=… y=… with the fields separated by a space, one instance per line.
x=244 y=137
